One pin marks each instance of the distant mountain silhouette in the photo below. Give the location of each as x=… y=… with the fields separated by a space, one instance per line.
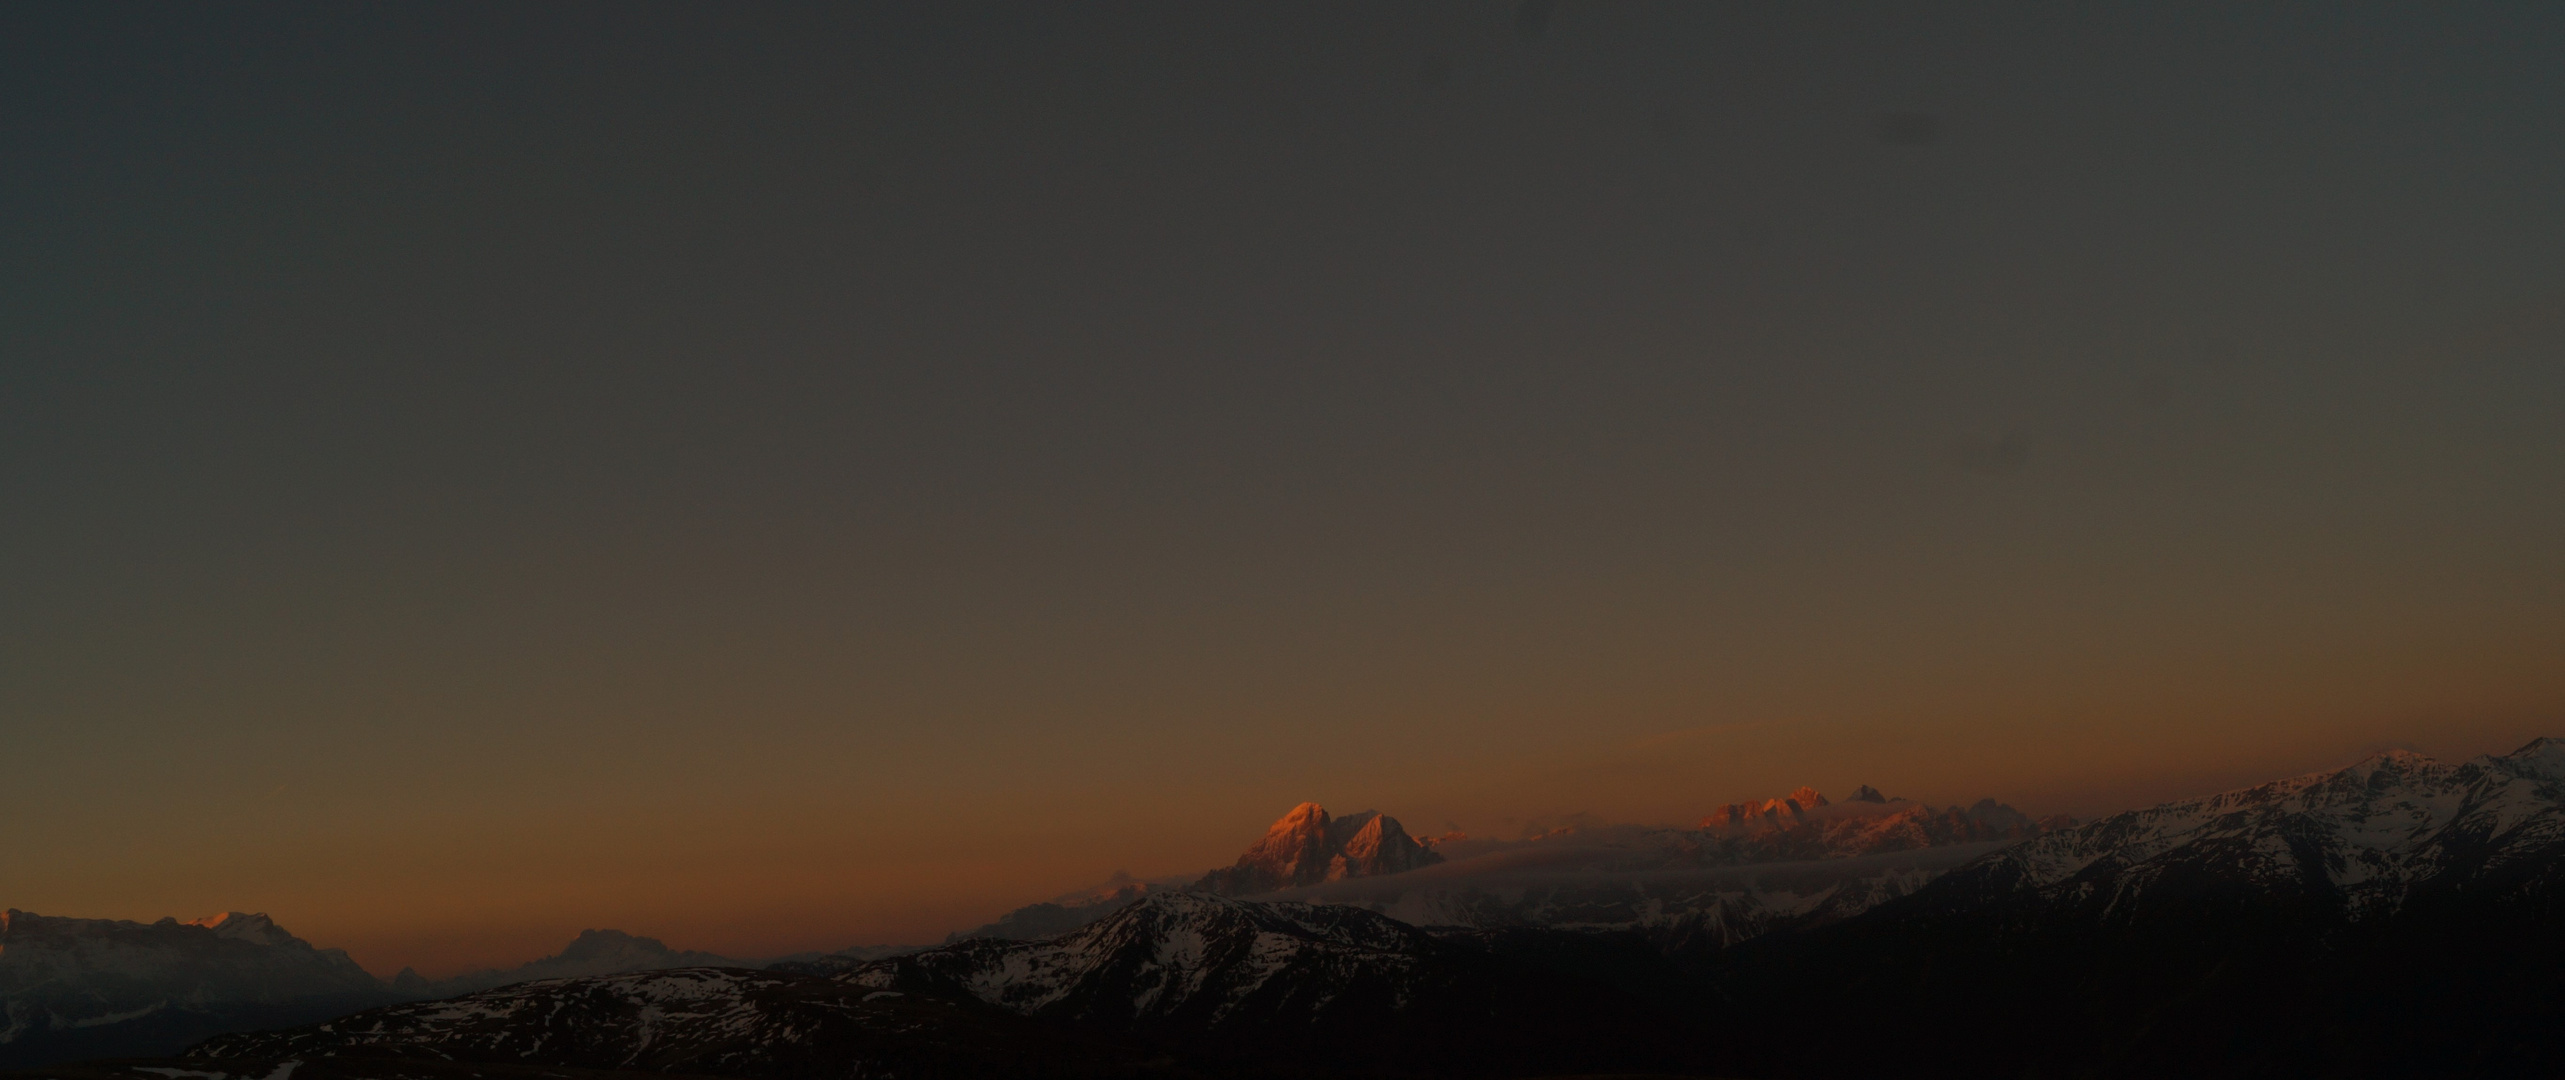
x=593 y=952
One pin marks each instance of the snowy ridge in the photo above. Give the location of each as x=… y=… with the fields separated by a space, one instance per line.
x=1194 y=956
x=2362 y=839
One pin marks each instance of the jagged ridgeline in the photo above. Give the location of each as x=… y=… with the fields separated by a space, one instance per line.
x=1308 y=847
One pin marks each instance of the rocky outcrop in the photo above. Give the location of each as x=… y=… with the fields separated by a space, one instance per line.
x=1308 y=847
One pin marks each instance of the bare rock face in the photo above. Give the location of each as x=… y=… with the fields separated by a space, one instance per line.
x=1308 y=847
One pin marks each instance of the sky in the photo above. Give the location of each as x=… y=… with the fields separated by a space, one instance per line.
x=782 y=477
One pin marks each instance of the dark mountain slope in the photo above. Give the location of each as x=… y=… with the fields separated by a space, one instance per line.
x=717 y=1021
x=1227 y=981
x=73 y=988
x=1183 y=982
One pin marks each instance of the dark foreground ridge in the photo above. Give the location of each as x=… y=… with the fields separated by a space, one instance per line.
x=2399 y=918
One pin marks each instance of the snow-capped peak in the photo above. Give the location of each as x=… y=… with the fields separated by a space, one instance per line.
x=2542 y=759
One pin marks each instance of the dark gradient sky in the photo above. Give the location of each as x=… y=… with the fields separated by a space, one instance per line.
x=783 y=477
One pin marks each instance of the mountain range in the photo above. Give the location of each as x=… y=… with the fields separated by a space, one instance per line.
x=73 y=988
x=2398 y=918
x=1188 y=980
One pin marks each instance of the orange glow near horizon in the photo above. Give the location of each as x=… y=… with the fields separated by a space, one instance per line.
x=696 y=889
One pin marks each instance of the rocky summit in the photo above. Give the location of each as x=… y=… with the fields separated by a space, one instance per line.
x=1307 y=847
